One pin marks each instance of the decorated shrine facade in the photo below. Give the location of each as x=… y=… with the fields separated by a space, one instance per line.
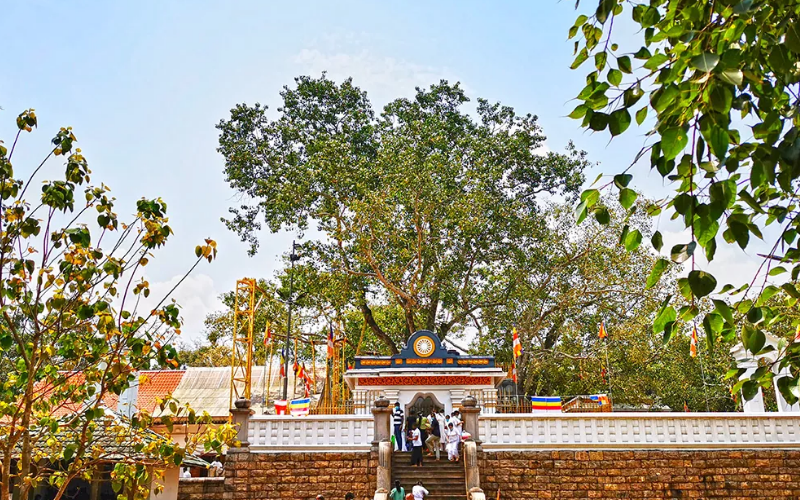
x=425 y=373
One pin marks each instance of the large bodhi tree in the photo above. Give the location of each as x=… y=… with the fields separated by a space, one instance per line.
x=418 y=206
x=721 y=79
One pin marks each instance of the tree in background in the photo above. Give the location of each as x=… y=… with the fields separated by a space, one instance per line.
x=72 y=327
x=721 y=79
x=417 y=207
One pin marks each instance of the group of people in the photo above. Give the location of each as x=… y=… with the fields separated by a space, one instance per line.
x=434 y=431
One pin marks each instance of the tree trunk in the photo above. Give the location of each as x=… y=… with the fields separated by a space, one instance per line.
x=376 y=329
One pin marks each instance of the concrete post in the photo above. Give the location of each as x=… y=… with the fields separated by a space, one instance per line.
x=382 y=424
x=470 y=411
x=383 y=419
x=471 y=466
x=241 y=418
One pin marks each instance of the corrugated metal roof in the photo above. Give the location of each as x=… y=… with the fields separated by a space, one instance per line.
x=208 y=389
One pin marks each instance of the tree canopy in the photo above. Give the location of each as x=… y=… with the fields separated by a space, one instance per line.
x=419 y=206
x=721 y=79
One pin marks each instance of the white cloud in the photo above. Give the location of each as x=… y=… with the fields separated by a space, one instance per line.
x=385 y=78
x=196 y=297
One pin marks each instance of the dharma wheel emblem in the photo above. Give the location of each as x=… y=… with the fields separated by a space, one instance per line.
x=424 y=346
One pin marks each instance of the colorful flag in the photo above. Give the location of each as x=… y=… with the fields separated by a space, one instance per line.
x=268 y=333
x=693 y=345
x=685 y=407
x=603 y=374
x=512 y=373
x=797 y=334
x=517 y=344
x=330 y=341
x=283 y=362
x=299 y=407
x=602 y=334
x=545 y=403
x=602 y=399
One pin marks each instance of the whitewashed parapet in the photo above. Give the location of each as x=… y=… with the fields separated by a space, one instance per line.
x=504 y=432
x=317 y=433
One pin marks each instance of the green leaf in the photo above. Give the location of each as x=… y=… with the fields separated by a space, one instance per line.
x=580 y=58
x=632 y=240
x=657 y=240
x=666 y=315
x=719 y=139
x=600 y=60
x=792 y=39
x=789 y=389
x=605 y=8
x=705 y=62
x=749 y=390
x=734 y=76
x=615 y=77
x=777 y=270
x=598 y=122
x=619 y=121
x=701 y=283
x=724 y=310
x=659 y=268
x=579 y=111
x=622 y=180
x=602 y=216
x=780 y=59
x=753 y=338
x=681 y=253
x=590 y=196
x=627 y=197
x=624 y=64
x=641 y=115
x=755 y=315
x=673 y=142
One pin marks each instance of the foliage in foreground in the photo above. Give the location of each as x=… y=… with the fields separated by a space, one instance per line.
x=72 y=331
x=721 y=79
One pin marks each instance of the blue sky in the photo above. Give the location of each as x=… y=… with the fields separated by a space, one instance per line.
x=144 y=83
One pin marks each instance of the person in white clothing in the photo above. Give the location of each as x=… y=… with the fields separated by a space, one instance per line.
x=419 y=491
x=453 y=439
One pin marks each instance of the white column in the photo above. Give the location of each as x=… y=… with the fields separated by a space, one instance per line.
x=393 y=395
x=360 y=403
x=456 y=396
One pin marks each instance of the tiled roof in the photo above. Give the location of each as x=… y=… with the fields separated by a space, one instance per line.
x=154 y=385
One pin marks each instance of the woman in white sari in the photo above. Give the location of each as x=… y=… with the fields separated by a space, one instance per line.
x=453 y=439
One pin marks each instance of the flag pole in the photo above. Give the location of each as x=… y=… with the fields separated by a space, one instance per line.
x=269 y=374
x=603 y=334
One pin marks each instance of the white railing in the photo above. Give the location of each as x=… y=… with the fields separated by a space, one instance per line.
x=639 y=431
x=320 y=433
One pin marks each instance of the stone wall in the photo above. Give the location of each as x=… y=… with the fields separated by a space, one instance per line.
x=201 y=488
x=765 y=474
x=250 y=476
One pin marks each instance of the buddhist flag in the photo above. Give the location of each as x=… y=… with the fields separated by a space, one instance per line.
x=299 y=371
x=797 y=334
x=602 y=334
x=693 y=345
x=268 y=334
x=517 y=344
x=512 y=373
x=330 y=341
x=283 y=362
x=545 y=403
x=685 y=407
x=299 y=407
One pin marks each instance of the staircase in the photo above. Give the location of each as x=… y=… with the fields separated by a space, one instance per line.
x=444 y=480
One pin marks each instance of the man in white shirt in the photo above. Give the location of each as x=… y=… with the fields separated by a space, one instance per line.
x=216 y=468
x=419 y=491
x=416 y=442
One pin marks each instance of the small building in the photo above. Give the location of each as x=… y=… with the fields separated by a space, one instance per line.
x=424 y=374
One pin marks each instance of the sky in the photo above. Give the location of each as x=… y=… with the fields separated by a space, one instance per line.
x=144 y=83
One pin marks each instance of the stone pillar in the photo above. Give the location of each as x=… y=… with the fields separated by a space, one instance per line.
x=471 y=465
x=382 y=414
x=470 y=411
x=241 y=419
